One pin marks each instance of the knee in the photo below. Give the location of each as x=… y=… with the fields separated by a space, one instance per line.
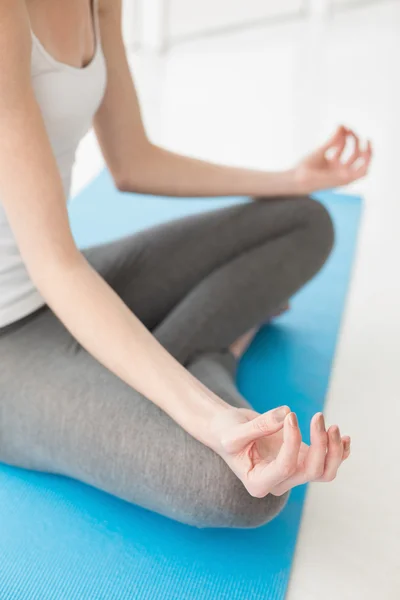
x=246 y=512
x=318 y=226
x=227 y=504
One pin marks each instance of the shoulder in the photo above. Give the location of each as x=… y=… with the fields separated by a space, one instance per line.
x=13 y=16
x=15 y=46
x=15 y=39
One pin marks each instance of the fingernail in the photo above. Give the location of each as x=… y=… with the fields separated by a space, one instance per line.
x=280 y=414
x=346 y=445
x=321 y=423
x=293 y=420
x=336 y=434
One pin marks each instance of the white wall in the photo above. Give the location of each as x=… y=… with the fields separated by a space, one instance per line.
x=153 y=23
x=350 y=2
x=191 y=16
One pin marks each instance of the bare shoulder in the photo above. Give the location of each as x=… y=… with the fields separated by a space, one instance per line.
x=15 y=39
x=14 y=18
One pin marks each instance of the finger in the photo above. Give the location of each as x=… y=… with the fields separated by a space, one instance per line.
x=361 y=167
x=346 y=441
x=364 y=157
x=355 y=155
x=243 y=434
x=367 y=154
x=334 y=139
x=263 y=477
x=314 y=466
x=314 y=463
x=339 y=149
x=301 y=478
x=334 y=455
x=360 y=171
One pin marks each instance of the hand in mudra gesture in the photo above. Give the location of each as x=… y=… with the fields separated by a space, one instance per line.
x=331 y=165
x=267 y=454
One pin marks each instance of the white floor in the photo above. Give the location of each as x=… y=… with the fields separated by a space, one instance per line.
x=261 y=99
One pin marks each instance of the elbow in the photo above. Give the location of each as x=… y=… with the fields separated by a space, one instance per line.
x=124 y=184
x=130 y=183
x=134 y=175
x=130 y=180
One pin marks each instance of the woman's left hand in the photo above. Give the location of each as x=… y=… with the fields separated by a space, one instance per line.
x=327 y=168
x=320 y=461
x=267 y=454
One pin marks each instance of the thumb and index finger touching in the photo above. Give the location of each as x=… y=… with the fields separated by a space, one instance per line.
x=261 y=426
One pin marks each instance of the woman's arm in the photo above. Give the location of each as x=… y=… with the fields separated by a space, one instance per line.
x=137 y=165
x=32 y=195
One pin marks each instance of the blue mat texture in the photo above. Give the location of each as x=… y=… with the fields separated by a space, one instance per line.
x=61 y=540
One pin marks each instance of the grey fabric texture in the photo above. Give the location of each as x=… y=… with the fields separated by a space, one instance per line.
x=197 y=283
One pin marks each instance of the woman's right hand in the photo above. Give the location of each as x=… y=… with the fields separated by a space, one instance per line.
x=267 y=454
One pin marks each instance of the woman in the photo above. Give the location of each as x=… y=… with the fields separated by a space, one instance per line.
x=117 y=364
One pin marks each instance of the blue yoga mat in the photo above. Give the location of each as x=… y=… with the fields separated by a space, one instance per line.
x=61 y=540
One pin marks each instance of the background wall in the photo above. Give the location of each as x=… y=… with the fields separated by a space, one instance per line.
x=191 y=16
x=158 y=23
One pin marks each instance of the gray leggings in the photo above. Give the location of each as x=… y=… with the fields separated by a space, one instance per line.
x=198 y=284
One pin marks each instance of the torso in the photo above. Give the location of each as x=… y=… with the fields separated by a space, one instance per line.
x=69 y=86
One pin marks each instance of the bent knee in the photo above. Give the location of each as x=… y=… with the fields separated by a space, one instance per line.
x=228 y=504
x=306 y=225
x=318 y=223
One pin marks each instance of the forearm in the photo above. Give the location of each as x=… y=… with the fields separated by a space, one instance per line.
x=162 y=172
x=103 y=324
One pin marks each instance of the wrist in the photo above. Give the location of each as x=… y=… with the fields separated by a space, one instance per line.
x=292 y=184
x=295 y=183
x=213 y=410
x=205 y=409
x=282 y=183
x=186 y=400
x=302 y=182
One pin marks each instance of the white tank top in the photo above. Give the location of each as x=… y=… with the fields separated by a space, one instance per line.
x=68 y=98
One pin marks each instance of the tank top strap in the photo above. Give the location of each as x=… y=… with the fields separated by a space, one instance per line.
x=95 y=16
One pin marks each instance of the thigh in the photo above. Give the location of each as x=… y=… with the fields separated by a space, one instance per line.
x=155 y=269
x=63 y=413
